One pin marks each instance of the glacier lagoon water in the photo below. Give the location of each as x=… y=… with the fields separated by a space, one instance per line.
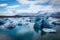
x=22 y=29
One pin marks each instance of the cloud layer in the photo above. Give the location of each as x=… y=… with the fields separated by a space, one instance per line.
x=31 y=1
x=54 y=6
x=3 y=5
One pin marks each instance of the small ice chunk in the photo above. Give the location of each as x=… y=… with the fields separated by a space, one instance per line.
x=49 y=30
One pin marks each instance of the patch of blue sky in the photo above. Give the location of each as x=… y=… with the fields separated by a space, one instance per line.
x=2 y=9
x=10 y=2
x=44 y=4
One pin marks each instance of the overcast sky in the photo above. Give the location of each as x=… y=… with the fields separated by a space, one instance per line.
x=13 y=7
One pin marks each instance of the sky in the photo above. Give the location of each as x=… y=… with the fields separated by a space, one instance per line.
x=14 y=7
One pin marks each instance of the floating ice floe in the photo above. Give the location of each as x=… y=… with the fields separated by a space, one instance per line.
x=49 y=30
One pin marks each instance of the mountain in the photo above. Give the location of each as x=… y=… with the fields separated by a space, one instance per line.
x=56 y=15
